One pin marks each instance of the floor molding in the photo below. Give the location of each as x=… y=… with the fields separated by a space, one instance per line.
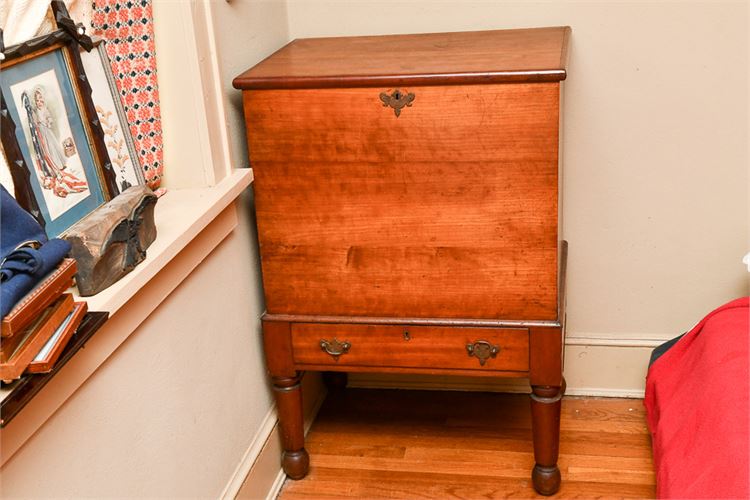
x=603 y=392
x=276 y=487
x=617 y=341
x=262 y=458
x=250 y=456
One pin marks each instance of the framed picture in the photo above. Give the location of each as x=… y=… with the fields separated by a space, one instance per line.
x=52 y=141
x=106 y=97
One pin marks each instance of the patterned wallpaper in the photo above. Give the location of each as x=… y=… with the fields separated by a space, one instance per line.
x=128 y=27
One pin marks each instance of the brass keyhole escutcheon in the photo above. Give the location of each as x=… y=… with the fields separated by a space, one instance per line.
x=407 y=336
x=397 y=100
x=482 y=350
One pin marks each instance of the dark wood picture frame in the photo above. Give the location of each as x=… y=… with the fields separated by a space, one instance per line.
x=115 y=126
x=20 y=172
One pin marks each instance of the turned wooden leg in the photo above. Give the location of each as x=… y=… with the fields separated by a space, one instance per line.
x=295 y=459
x=335 y=381
x=545 y=420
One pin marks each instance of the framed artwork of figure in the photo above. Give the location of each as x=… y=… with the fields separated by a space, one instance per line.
x=52 y=139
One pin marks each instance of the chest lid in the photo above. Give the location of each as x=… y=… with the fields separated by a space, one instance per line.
x=500 y=56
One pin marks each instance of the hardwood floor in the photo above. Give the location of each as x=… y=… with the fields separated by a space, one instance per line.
x=400 y=444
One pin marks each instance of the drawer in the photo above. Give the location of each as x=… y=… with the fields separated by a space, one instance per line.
x=465 y=348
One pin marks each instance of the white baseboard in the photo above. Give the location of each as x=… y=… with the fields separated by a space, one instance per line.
x=276 y=486
x=262 y=457
x=619 y=340
x=605 y=392
x=251 y=454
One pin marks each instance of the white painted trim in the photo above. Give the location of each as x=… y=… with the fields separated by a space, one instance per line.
x=196 y=142
x=277 y=484
x=617 y=341
x=604 y=392
x=257 y=450
x=192 y=50
x=251 y=455
x=183 y=128
x=212 y=90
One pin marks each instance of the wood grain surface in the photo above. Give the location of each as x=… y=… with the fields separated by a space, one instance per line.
x=418 y=444
x=546 y=361
x=522 y=55
x=447 y=211
x=414 y=346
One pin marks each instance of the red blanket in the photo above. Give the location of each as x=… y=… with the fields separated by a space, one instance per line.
x=697 y=402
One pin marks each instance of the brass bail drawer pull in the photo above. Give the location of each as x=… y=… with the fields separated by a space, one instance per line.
x=334 y=347
x=397 y=100
x=482 y=350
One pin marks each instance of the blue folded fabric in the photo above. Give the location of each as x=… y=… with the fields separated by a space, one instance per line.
x=16 y=225
x=26 y=255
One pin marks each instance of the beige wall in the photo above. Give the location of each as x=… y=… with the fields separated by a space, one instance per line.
x=246 y=32
x=655 y=145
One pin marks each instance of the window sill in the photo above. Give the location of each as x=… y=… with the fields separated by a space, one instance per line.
x=180 y=216
x=190 y=224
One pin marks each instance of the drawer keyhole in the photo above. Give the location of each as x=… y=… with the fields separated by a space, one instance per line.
x=397 y=100
x=407 y=337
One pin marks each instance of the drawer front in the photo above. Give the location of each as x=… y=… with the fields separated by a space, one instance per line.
x=501 y=349
x=448 y=210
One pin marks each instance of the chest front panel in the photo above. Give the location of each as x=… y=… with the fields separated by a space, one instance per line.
x=449 y=210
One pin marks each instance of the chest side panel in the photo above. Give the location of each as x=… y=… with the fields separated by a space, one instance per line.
x=447 y=210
